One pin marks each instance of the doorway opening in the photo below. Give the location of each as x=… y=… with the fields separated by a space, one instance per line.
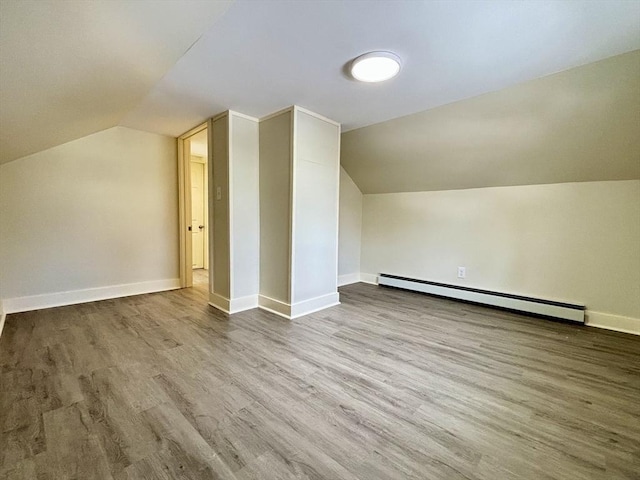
x=193 y=159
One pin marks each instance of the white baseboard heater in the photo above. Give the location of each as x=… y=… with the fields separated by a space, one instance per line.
x=536 y=306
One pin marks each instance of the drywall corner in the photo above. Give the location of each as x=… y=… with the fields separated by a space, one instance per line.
x=349 y=230
x=348 y=279
x=371 y=278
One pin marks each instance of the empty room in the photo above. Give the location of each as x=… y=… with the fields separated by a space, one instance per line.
x=322 y=239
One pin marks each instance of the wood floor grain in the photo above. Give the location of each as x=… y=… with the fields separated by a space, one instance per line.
x=388 y=385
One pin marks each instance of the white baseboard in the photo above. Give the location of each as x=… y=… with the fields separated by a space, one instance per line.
x=369 y=278
x=235 y=305
x=244 y=303
x=59 y=299
x=348 y=279
x=274 y=306
x=315 y=304
x=299 y=309
x=618 y=323
x=220 y=302
x=3 y=317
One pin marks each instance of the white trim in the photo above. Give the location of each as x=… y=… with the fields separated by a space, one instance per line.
x=299 y=309
x=348 y=279
x=292 y=204
x=338 y=206
x=231 y=306
x=274 y=306
x=184 y=204
x=219 y=116
x=242 y=115
x=3 y=317
x=211 y=195
x=369 y=278
x=316 y=115
x=241 y=304
x=193 y=131
x=314 y=304
x=220 y=302
x=230 y=201
x=523 y=305
x=59 y=299
x=609 y=321
x=276 y=114
x=182 y=218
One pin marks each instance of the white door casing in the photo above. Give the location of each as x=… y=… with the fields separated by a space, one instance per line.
x=197 y=215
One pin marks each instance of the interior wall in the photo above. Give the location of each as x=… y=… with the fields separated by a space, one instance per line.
x=275 y=211
x=219 y=178
x=100 y=211
x=576 y=242
x=350 y=230
x=245 y=205
x=315 y=207
x=579 y=125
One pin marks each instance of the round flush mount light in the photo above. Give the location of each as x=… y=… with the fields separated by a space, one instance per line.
x=375 y=66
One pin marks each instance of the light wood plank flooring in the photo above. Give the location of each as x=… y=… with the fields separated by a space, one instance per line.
x=388 y=385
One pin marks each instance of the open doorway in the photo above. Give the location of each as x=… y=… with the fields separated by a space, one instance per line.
x=193 y=159
x=199 y=208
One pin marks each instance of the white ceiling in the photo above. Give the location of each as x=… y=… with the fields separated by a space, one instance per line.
x=71 y=68
x=263 y=56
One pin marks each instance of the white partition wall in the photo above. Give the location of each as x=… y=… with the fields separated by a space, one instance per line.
x=315 y=188
x=299 y=185
x=234 y=207
x=244 y=212
x=219 y=211
x=275 y=210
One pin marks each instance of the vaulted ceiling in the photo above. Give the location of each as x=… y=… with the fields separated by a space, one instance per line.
x=579 y=125
x=73 y=68
x=264 y=56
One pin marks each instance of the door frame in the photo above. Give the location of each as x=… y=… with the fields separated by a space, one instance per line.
x=205 y=210
x=184 y=203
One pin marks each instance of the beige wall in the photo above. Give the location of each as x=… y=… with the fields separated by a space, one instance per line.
x=299 y=187
x=350 y=230
x=275 y=206
x=219 y=208
x=575 y=241
x=96 y=212
x=575 y=126
x=236 y=214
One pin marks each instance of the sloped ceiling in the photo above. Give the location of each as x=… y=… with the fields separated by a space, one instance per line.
x=72 y=68
x=264 y=56
x=579 y=125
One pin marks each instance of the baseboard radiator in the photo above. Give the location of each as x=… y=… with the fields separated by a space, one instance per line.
x=536 y=306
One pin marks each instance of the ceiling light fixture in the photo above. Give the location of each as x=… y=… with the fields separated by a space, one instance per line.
x=375 y=66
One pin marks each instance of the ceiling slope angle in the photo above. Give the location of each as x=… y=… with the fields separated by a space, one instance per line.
x=264 y=56
x=579 y=125
x=72 y=68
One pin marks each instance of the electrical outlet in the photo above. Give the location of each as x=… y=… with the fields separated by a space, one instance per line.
x=218 y=193
x=462 y=272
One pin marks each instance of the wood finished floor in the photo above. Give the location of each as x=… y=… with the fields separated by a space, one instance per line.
x=388 y=385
